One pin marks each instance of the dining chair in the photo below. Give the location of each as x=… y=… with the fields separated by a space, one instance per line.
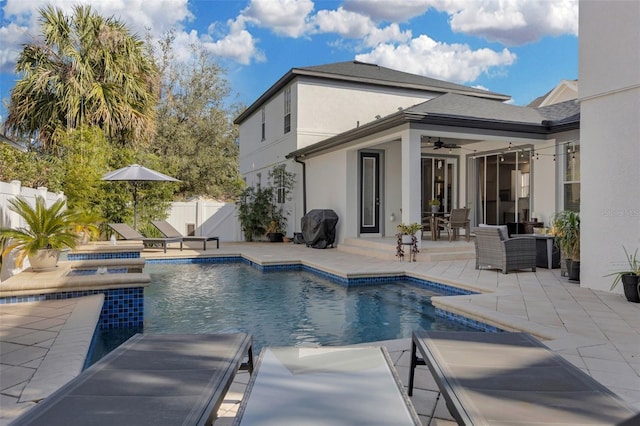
x=459 y=218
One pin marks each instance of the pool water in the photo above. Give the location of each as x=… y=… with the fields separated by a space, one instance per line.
x=282 y=308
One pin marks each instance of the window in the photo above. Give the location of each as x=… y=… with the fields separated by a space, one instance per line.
x=287 y=110
x=571 y=181
x=258 y=180
x=264 y=132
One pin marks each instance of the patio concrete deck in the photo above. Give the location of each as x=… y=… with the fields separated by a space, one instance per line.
x=597 y=331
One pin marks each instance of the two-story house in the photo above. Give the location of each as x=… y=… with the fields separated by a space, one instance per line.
x=375 y=145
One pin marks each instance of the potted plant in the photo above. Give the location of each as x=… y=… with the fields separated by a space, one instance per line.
x=259 y=208
x=274 y=232
x=435 y=205
x=85 y=225
x=566 y=229
x=48 y=231
x=407 y=236
x=406 y=232
x=630 y=278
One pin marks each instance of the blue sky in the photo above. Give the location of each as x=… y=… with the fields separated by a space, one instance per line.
x=521 y=48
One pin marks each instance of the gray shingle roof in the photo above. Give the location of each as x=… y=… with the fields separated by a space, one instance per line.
x=452 y=109
x=371 y=74
x=454 y=105
x=561 y=112
x=375 y=74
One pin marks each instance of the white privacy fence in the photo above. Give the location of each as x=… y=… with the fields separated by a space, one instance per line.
x=9 y=219
x=206 y=218
x=198 y=217
x=13 y=189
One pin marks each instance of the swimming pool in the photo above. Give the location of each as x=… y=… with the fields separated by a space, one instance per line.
x=279 y=308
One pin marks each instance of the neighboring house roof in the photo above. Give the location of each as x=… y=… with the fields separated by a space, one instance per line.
x=564 y=91
x=464 y=111
x=369 y=74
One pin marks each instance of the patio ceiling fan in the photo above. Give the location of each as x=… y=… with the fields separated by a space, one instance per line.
x=439 y=144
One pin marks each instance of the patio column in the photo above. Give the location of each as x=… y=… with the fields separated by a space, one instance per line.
x=410 y=172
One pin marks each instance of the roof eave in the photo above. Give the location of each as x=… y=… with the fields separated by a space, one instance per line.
x=571 y=124
x=275 y=88
x=404 y=117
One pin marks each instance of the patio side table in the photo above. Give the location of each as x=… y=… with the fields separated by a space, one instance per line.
x=547 y=254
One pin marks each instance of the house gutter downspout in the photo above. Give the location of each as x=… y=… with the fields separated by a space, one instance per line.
x=304 y=183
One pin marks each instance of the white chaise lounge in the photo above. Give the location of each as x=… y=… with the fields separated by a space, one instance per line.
x=325 y=386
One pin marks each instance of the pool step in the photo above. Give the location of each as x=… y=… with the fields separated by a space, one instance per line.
x=431 y=251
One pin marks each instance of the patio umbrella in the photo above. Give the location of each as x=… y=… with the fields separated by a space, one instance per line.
x=136 y=173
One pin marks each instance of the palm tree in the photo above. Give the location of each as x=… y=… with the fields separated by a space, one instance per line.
x=86 y=70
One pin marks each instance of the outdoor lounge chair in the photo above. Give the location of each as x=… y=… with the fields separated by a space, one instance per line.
x=495 y=250
x=151 y=379
x=459 y=218
x=325 y=386
x=128 y=233
x=171 y=232
x=512 y=378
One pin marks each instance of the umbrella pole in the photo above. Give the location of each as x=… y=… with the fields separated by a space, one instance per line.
x=135 y=205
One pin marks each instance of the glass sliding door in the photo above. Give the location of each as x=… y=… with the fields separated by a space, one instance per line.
x=503 y=188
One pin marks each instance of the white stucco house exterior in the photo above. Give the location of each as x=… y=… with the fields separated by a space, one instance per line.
x=609 y=70
x=375 y=145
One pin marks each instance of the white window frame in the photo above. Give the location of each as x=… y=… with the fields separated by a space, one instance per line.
x=567 y=153
x=287 y=110
x=264 y=125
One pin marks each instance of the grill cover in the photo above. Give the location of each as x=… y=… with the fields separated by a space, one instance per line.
x=319 y=228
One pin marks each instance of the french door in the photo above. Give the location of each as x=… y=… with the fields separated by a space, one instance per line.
x=439 y=181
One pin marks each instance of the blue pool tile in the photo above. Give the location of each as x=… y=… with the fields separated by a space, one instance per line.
x=122 y=307
x=101 y=256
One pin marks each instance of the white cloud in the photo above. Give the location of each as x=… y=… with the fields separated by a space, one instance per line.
x=512 y=22
x=342 y=22
x=159 y=16
x=390 y=33
x=12 y=36
x=284 y=17
x=239 y=45
x=451 y=62
x=388 y=10
x=356 y=26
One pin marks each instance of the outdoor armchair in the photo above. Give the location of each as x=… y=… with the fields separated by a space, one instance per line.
x=495 y=250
